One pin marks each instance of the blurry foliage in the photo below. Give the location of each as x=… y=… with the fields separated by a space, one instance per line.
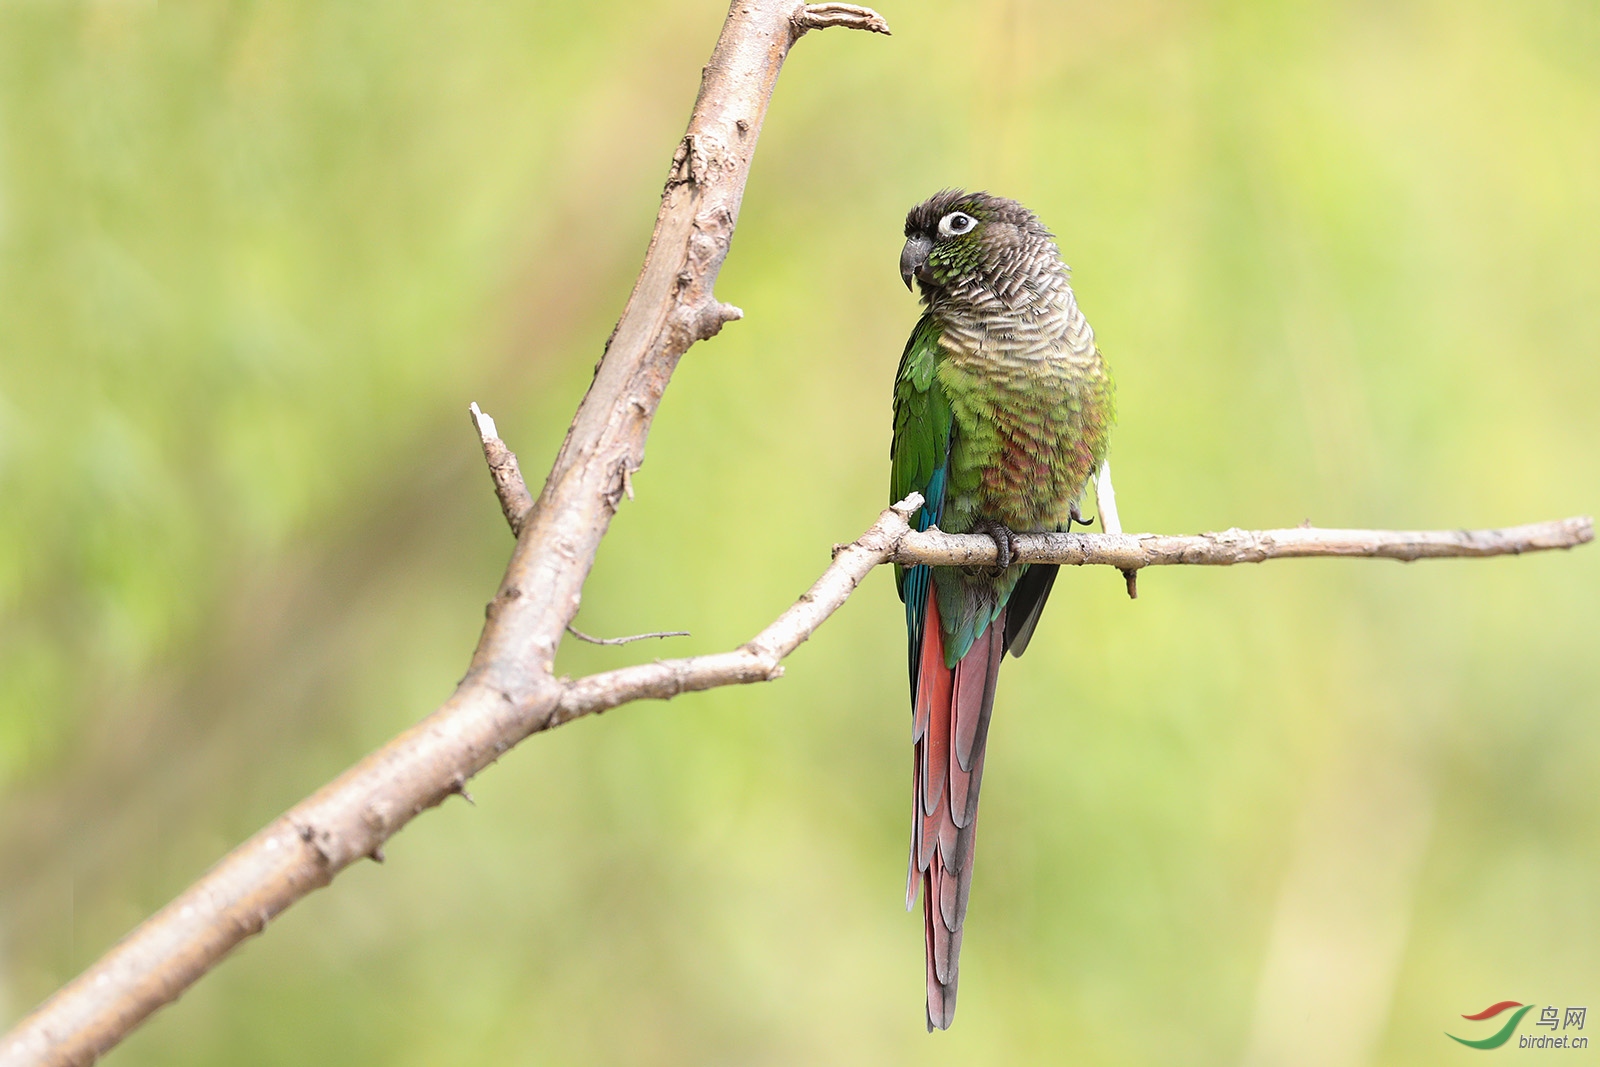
x=255 y=259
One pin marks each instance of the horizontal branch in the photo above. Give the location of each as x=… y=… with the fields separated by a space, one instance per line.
x=891 y=540
x=1136 y=551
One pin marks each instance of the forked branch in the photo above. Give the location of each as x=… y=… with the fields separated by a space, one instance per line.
x=509 y=691
x=891 y=540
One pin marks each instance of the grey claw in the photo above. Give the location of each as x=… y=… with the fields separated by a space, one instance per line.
x=1005 y=542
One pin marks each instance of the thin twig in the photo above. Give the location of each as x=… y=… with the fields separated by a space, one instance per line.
x=761 y=658
x=512 y=491
x=849 y=16
x=630 y=639
x=516 y=502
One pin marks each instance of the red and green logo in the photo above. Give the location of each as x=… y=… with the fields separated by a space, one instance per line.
x=1500 y=1036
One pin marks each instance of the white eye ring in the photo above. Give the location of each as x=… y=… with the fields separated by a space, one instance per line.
x=956 y=223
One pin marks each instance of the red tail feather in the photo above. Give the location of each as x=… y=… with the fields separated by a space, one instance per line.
x=950 y=728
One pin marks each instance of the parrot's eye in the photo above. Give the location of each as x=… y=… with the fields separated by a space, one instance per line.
x=956 y=223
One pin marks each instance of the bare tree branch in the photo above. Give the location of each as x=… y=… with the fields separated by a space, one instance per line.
x=508 y=691
x=891 y=540
x=1131 y=552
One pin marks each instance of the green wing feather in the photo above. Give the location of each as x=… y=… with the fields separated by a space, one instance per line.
x=919 y=459
x=920 y=452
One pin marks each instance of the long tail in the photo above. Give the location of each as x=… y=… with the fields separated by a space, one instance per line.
x=949 y=729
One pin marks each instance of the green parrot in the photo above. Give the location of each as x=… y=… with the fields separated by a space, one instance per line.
x=1002 y=414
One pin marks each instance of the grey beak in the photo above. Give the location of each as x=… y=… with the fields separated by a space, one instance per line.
x=913 y=256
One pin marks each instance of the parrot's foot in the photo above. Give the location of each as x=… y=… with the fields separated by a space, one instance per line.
x=1076 y=516
x=1005 y=542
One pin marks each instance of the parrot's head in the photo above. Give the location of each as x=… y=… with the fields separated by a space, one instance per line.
x=976 y=247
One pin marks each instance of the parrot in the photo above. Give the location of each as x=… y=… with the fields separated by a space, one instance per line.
x=1003 y=409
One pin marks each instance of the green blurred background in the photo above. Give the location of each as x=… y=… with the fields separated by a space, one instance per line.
x=255 y=260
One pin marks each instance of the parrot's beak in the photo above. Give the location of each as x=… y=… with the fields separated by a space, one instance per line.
x=913 y=256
